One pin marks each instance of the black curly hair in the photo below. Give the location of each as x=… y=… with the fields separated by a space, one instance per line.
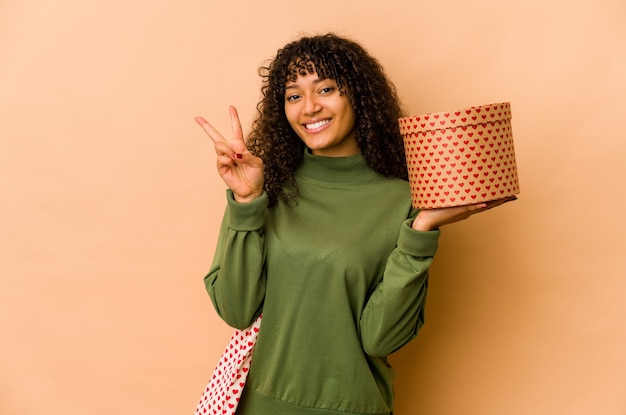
x=373 y=97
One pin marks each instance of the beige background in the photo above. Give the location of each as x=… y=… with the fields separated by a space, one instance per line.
x=110 y=200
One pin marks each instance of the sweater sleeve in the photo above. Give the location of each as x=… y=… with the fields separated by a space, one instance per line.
x=236 y=279
x=394 y=311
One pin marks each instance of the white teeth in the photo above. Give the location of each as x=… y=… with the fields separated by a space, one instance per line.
x=316 y=125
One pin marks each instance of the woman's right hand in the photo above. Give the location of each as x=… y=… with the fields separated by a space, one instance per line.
x=241 y=171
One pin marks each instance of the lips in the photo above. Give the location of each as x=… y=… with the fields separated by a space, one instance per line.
x=316 y=125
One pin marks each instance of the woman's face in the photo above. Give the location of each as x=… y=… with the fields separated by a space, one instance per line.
x=322 y=117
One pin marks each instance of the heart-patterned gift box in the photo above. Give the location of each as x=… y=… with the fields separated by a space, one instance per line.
x=461 y=157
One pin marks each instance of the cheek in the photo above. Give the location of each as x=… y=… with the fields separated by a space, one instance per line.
x=350 y=118
x=291 y=116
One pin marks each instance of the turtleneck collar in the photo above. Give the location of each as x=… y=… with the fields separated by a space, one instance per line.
x=346 y=170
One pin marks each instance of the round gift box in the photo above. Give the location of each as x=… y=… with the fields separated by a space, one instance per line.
x=462 y=157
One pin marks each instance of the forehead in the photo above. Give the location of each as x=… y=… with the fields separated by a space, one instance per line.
x=303 y=66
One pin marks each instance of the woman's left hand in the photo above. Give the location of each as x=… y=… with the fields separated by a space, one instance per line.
x=431 y=219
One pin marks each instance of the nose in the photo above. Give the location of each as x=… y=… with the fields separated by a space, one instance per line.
x=311 y=105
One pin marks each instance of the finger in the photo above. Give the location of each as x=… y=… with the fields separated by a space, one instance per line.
x=223 y=148
x=211 y=132
x=503 y=200
x=235 y=124
x=225 y=161
x=499 y=202
x=507 y=200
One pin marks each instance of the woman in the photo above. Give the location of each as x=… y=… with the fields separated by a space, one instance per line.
x=319 y=234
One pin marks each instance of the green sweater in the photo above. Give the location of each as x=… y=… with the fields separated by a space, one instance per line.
x=341 y=280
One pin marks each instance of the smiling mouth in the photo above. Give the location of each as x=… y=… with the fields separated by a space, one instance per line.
x=317 y=125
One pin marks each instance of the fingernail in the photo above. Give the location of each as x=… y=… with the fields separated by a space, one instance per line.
x=239 y=156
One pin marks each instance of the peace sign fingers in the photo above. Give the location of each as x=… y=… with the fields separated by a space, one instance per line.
x=210 y=131
x=242 y=171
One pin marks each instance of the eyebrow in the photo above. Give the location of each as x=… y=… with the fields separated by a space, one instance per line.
x=294 y=85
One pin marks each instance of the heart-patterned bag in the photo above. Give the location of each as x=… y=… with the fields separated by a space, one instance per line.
x=222 y=393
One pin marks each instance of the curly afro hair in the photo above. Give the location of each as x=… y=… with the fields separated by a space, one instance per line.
x=373 y=97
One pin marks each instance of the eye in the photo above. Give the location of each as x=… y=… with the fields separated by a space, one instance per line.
x=327 y=90
x=292 y=97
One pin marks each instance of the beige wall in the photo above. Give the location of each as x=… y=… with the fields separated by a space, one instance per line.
x=110 y=201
